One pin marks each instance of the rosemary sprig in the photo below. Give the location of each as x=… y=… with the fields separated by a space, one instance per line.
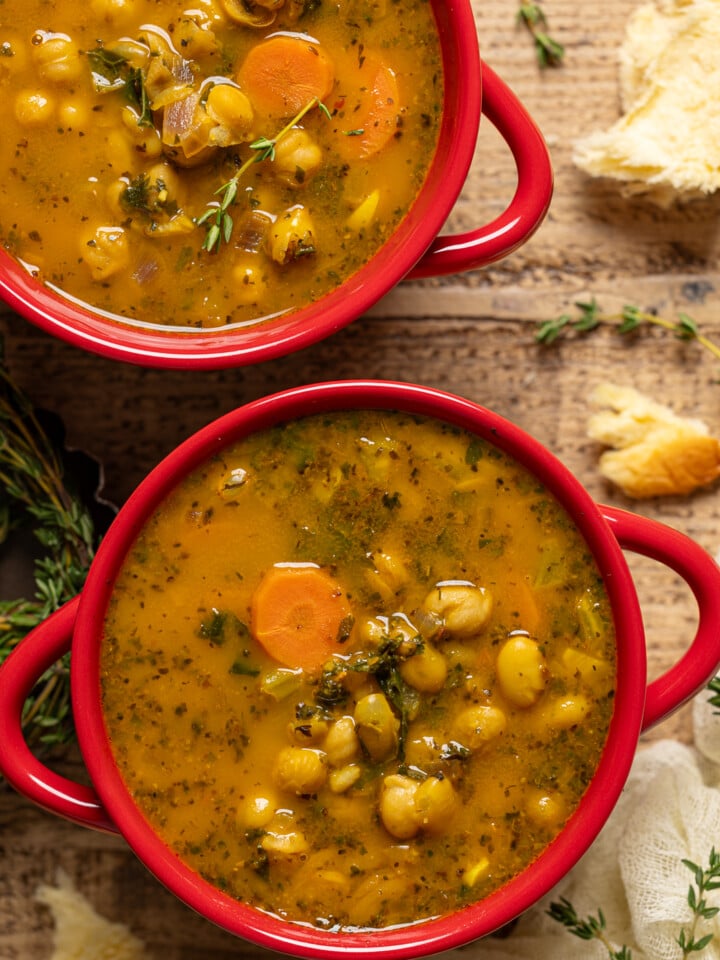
x=590 y=928
x=217 y=219
x=594 y=927
x=589 y=317
x=33 y=494
x=549 y=52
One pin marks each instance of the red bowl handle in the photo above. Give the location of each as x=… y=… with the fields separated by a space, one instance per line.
x=454 y=253
x=701 y=660
x=42 y=647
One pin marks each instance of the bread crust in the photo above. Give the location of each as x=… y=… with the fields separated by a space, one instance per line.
x=654 y=452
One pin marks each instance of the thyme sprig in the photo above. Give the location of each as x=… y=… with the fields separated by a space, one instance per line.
x=589 y=928
x=593 y=927
x=549 y=52
x=705 y=880
x=33 y=494
x=217 y=219
x=589 y=317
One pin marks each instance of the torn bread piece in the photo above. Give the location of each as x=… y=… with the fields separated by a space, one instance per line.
x=667 y=143
x=654 y=451
x=80 y=932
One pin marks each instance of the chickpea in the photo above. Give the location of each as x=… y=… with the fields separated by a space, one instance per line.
x=389 y=575
x=114 y=194
x=297 y=157
x=545 y=809
x=464 y=607
x=249 y=281
x=435 y=804
x=283 y=839
x=257 y=812
x=124 y=156
x=344 y=778
x=167 y=179
x=477 y=725
x=112 y=10
x=34 y=107
x=426 y=671
x=341 y=743
x=377 y=726
x=372 y=632
x=566 y=712
x=300 y=770
x=74 y=114
x=228 y=106
x=57 y=58
x=135 y=52
x=147 y=139
x=106 y=252
x=292 y=236
x=308 y=732
x=397 y=806
x=521 y=671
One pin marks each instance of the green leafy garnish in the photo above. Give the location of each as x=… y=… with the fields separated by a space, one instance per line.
x=549 y=52
x=108 y=69
x=112 y=71
x=136 y=94
x=384 y=665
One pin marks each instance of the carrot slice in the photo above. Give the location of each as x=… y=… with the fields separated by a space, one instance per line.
x=283 y=74
x=369 y=113
x=300 y=615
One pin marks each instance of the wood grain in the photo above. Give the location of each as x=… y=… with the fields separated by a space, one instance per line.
x=472 y=334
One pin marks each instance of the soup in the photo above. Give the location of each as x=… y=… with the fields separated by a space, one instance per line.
x=358 y=670
x=211 y=164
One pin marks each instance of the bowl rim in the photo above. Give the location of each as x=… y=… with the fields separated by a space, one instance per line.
x=518 y=894
x=81 y=326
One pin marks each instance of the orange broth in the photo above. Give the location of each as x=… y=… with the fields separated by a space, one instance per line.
x=211 y=164
x=433 y=744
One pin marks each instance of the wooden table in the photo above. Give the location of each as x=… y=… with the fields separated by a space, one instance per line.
x=472 y=334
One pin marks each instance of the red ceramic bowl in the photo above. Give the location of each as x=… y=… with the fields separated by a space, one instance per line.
x=109 y=805
x=415 y=249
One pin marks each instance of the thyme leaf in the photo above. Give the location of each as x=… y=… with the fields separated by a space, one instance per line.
x=549 y=52
x=216 y=219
